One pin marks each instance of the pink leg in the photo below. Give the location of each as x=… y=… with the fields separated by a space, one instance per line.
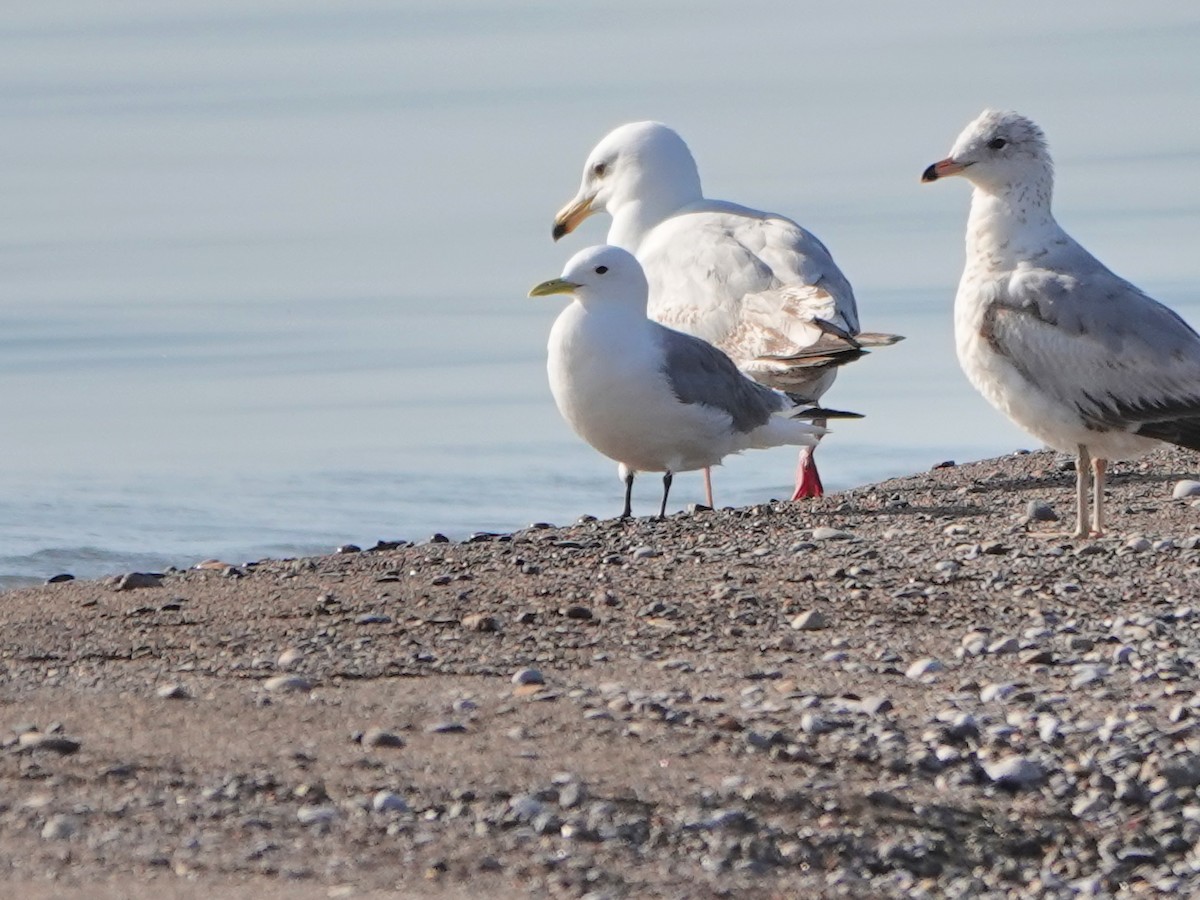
x=708 y=488
x=808 y=480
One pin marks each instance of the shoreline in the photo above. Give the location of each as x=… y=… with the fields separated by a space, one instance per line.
x=896 y=690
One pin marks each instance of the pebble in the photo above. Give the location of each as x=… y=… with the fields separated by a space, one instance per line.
x=924 y=668
x=389 y=802
x=812 y=620
x=1186 y=489
x=56 y=743
x=60 y=827
x=173 y=692
x=447 y=727
x=1040 y=511
x=378 y=737
x=528 y=676
x=1004 y=645
x=1137 y=544
x=874 y=705
x=373 y=619
x=1085 y=675
x=60 y=578
x=316 y=815
x=132 y=581
x=825 y=533
x=999 y=691
x=1015 y=771
x=289 y=658
x=284 y=684
x=644 y=553
x=480 y=622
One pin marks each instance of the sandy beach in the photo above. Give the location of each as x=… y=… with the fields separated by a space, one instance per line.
x=908 y=689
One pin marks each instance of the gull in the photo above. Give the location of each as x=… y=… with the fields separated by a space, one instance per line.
x=754 y=284
x=649 y=397
x=1075 y=355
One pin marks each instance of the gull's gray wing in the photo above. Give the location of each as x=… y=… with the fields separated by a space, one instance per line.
x=700 y=373
x=750 y=282
x=1094 y=341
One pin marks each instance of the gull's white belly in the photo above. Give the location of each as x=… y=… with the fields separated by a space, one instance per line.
x=628 y=412
x=1048 y=418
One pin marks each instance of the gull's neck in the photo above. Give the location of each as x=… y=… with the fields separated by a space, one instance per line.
x=1009 y=223
x=651 y=202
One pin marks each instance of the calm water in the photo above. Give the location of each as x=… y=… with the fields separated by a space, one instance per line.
x=263 y=266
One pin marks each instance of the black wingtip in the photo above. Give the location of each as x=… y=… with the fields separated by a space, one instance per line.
x=820 y=412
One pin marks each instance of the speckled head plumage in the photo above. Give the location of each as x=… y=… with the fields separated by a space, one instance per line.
x=998 y=149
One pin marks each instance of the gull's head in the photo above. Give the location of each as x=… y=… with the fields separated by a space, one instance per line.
x=996 y=151
x=603 y=274
x=643 y=163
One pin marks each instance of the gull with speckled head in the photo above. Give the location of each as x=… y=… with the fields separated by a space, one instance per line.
x=653 y=399
x=752 y=283
x=1075 y=355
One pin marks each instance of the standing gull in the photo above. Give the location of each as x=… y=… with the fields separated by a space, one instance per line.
x=754 y=284
x=653 y=399
x=1075 y=355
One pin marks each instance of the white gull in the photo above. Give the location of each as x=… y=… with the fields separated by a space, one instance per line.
x=653 y=399
x=754 y=284
x=1075 y=355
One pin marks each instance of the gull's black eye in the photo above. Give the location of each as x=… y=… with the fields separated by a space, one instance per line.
x=600 y=270
x=997 y=143
x=599 y=169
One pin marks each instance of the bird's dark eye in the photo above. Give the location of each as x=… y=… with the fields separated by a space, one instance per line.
x=997 y=143
x=600 y=270
x=599 y=169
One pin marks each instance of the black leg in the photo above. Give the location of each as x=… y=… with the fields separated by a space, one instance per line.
x=662 y=510
x=628 y=496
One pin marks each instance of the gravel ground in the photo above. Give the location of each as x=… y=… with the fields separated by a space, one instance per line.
x=906 y=690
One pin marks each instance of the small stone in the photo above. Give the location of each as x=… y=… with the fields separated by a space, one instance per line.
x=289 y=658
x=55 y=743
x=60 y=827
x=812 y=620
x=480 y=622
x=580 y=613
x=1004 y=645
x=1085 y=675
x=1186 y=489
x=1040 y=511
x=131 y=581
x=316 y=815
x=924 y=668
x=1015 y=772
x=874 y=705
x=1182 y=771
x=644 y=553
x=173 y=692
x=999 y=691
x=1048 y=729
x=377 y=737
x=572 y=794
x=528 y=676
x=1037 y=657
x=446 y=728
x=60 y=578
x=825 y=533
x=1137 y=544
x=348 y=548
x=389 y=802
x=286 y=684
x=373 y=619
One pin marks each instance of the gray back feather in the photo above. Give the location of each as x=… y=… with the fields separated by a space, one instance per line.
x=700 y=373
